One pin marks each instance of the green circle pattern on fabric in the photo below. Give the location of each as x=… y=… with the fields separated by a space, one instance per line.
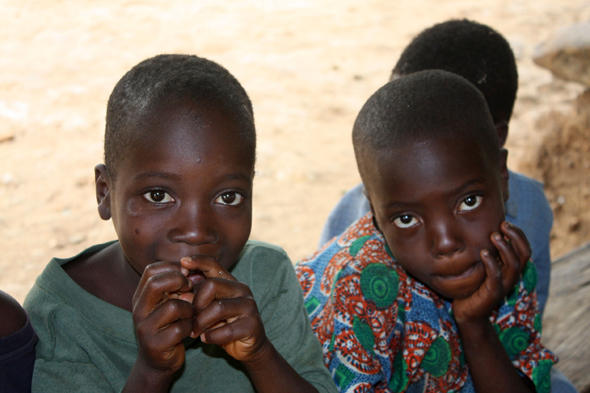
x=399 y=379
x=529 y=276
x=438 y=357
x=542 y=376
x=356 y=246
x=537 y=325
x=514 y=340
x=513 y=295
x=379 y=284
x=364 y=334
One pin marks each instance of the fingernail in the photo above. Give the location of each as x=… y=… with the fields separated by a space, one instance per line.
x=184 y=271
x=497 y=237
x=485 y=252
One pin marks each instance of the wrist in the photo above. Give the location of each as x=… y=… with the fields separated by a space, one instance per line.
x=475 y=332
x=265 y=355
x=144 y=378
x=469 y=318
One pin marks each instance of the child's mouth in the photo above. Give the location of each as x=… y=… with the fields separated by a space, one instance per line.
x=465 y=273
x=196 y=277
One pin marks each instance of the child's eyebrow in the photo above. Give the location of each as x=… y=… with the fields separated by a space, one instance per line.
x=450 y=193
x=237 y=176
x=166 y=175
x=162 y=175
x=466 y=185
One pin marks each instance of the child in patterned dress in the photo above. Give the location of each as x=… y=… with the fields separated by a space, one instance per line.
x=482 y=56
x=432 y=291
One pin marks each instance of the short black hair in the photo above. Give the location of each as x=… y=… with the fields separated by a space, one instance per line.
x=430 y=104
x=167 y=80
x=476 y=52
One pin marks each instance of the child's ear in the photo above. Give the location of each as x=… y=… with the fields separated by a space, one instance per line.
x=103 y=191
x=504 y=173
x=372 y=209
x=502 y=130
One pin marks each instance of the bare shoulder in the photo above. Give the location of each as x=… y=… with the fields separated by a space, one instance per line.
x=13 y=315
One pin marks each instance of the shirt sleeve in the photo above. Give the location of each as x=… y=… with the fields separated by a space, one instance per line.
x=17 y=357
x=288 y=327
x=519 y=328
x=356 y=337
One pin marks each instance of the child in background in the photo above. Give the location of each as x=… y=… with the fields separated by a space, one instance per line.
x=182 y=301
x=425 y=293
x=483 y=57
x=17 y=346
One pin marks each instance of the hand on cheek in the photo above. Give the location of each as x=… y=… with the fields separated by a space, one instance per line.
x=161 y=320
x=502 y=274
x=226 y=312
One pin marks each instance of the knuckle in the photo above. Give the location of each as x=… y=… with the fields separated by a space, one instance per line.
x=177 y=329
x=152 y=269
x=173 y=305
x=251 y=304
x=230 y=331
x=208 y=285
x=220 y=306
x=142 y=331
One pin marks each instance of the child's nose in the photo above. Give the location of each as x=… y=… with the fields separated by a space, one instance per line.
x=446 y=239
x=194 y=225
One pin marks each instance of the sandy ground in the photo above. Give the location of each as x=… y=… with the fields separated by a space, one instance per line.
x=308 y=67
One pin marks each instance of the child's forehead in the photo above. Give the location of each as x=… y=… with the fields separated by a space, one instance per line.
x=460 y=145
x=429 y=159
x=189 y=129
x=181 y=119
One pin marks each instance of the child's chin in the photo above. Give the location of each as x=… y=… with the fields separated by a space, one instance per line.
x=464 y=287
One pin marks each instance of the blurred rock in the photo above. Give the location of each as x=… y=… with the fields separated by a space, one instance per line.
x=77 y=238
x=567 y=54
x=6 y=136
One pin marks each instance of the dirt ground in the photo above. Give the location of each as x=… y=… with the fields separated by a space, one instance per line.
x=308 y=67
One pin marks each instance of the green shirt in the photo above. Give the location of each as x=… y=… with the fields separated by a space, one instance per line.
x=88 y=345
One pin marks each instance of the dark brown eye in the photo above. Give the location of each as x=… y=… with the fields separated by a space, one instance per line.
x=470 y=203
x=228 y=198
x=405 y=221
x=158 y=196
x=231 y=198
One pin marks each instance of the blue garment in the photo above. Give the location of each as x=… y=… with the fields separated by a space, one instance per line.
x=17 y=357
x=527 y=208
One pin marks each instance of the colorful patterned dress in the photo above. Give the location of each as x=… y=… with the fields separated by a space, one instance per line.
x=383 y=331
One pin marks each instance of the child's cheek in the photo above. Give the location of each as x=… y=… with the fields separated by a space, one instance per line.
x=133 y=208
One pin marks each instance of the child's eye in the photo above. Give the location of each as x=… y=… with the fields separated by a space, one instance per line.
x=470 y=203
x=405 y=221
x=158 y=196
x=230 y=198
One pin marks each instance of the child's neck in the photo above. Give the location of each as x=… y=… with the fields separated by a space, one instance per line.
x=106 y=275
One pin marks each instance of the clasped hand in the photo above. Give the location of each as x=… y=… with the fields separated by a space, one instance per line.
x=502 y=274
x=168 y=308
